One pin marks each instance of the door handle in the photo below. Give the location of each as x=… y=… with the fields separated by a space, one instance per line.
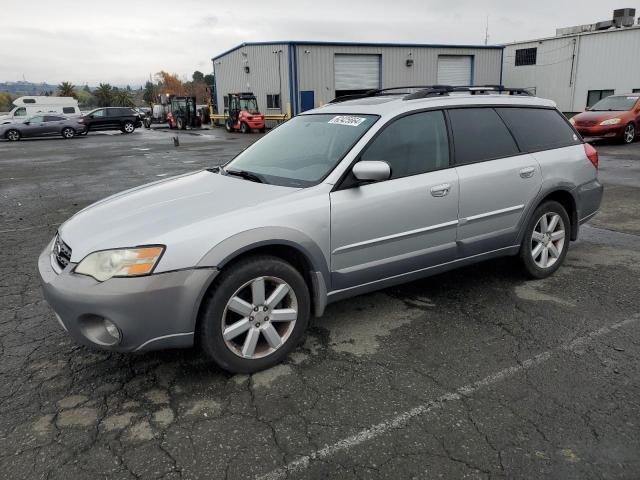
x=527 y=172
x=440 y=190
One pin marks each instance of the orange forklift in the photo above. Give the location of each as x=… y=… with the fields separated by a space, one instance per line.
x=244 y=115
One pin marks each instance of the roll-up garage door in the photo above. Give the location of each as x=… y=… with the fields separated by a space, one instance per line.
x=357 y=72
x=454 y=70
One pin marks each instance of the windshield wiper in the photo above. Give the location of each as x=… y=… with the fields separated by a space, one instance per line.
x=246 y=175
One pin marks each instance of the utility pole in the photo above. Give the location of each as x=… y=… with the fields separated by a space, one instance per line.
x=486 y=31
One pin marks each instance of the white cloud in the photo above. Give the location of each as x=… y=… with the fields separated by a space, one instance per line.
x=124 y=42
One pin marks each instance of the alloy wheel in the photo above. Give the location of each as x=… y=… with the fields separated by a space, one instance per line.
x=68 y=133
x=259 y=317
x=629 y=133
x=547 y=240
x=13 y=135
x=128 y=127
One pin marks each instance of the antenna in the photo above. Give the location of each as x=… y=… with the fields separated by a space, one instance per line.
x=486 y=31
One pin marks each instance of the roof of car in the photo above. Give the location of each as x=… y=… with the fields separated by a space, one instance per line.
x=390 y=105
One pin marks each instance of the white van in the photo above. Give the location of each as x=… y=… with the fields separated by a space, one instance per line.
x=27 y=106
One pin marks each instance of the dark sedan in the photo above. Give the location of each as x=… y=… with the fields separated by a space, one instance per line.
x=42 y=126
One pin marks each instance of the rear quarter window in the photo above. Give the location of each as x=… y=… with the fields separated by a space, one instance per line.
x=538 y=129
x=479 y=134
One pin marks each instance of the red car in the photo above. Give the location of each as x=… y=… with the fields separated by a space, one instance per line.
x=616 y=116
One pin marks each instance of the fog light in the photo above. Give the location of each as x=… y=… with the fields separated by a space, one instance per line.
x=112 y=330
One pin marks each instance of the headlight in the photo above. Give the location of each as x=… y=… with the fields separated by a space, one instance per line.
x=123 y=262
x=611 y=121
x=572 y=121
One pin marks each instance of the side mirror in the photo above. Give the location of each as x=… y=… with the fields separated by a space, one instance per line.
x=27 y=122
x=371 y=171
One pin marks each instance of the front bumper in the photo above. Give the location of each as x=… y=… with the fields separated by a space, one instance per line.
x=597 y=131
x=152 y=312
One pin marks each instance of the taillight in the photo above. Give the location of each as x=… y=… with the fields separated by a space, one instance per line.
x=592 y=154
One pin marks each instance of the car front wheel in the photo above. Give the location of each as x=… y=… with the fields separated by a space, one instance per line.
x=13 y=135
x=128 y=127
x=255 y=314
x=546 y=240
x=629 y=134
x=68 y=132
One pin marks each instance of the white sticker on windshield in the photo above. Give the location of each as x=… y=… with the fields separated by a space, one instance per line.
x=347 y=120
x=632 y=98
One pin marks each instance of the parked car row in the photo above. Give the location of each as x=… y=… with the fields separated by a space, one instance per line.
x=110 y=118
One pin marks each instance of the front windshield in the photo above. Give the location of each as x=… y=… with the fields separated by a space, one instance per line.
x=19 y=112
x=250 y=105
x=617 y=103
x=302 y=151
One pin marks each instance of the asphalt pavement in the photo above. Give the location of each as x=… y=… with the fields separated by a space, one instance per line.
x=476 y=373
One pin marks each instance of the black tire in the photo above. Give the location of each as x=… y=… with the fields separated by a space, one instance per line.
x=244 y=128
x=180 y=124
x=147 y=123
x=225 y=287
x=12 y=135
x=531 y=268
x=128 y=127
x=629 y=133
x=68 y=133
x=228 y=126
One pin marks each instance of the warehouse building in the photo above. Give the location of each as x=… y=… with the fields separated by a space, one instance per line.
x=579 y=65
x=298 y=76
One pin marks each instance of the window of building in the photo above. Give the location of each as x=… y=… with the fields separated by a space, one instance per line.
x=636 y=90
x=594 y=96
x=68 y=110
x=538 y=129
x=526 y=56
x=273 y=100
x=480 y=134
x=412 y=145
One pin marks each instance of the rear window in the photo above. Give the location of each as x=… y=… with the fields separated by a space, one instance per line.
x=479 y=134
x=538 y=129
x=68 y=110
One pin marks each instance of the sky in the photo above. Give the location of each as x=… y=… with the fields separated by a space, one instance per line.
x=124 y=42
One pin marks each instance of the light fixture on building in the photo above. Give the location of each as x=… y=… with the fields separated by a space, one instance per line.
x=409 y=61
x=246 y=69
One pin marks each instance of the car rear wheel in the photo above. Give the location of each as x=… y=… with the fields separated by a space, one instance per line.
x=228 y=126
x=255 y=314
x=629 y=133
x=68 y=132
x=128 y=127
x=546 y=240
x=12 y=135
x=244 y=128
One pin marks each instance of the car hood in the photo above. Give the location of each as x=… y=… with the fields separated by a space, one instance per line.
x=162 y=211
x=598 y=116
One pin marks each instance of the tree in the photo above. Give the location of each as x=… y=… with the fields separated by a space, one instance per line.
x=209 y=79
x=122 y=98
x=198 y=76
x=104 y=95
x=5 y=101
x=67 y=89
x=170 y=83
x=150 y=95
x=86 y=99
x=86 y=88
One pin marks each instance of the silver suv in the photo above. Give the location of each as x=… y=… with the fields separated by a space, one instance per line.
x=358 y=195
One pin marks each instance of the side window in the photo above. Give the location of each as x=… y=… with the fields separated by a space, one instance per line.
x=51 y=118
x=68 y=110
x=36 y=120
x=413 y=144
x=20 y=112
x=538 y=129
x=98 y=113
x=479 y=134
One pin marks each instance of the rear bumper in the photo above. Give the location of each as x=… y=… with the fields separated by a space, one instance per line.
x=153 y=312
x=589 y=197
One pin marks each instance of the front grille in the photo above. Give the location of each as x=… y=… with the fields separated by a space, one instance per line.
x=61 y=252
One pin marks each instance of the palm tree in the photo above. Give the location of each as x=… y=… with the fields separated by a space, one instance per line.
x=66 y=89
x=104 y=95
x=122 y=98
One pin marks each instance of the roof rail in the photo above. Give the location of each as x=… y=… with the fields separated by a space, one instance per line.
x=432 y=91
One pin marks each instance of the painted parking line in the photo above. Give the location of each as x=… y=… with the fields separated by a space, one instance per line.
x=403 y=419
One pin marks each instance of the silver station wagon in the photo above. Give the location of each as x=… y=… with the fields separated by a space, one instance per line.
x=366 y=192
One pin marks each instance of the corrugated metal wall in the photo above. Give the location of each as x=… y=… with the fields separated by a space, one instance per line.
x=604 y=60
x=315 y=68
x=607 y=61
x=262 y=78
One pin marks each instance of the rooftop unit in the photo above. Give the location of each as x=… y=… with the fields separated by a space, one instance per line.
x=622 y=18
